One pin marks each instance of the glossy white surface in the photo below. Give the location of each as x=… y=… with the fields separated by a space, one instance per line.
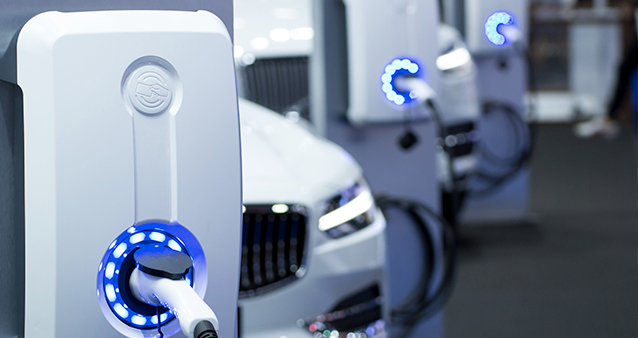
x=378 y=32
x=176 y=295
x=273 y=28
x=458 y=94
x=476 y=14
x=80 y=157
x=284 y=163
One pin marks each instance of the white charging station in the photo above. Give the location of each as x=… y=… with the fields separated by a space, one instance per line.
x=350 y=104
x=131 y=142
x=385 y=39
x=483 y=18
x=496 y=32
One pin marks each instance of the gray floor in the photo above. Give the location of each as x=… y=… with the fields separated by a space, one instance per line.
x=574 y=272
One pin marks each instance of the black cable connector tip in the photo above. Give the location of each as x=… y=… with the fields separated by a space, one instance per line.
x=205 y=329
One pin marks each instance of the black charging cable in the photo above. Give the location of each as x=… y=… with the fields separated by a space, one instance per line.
x=205 y=329
x=429 y=297
x=525 y=130
x=159 y=322
x=458 y=185
x=457 y=193
x=502 y=169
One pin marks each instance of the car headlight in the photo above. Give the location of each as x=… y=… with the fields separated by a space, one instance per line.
x=349 y=211
x=456 y=60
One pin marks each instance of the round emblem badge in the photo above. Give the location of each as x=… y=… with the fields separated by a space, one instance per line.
x=150 y=85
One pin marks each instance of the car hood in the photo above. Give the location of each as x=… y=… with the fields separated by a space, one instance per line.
x=285 y=163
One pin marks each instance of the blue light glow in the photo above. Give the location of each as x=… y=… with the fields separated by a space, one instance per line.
x=119 y=250
x=158 y=237
x=399 y=100
x=110 y=269
x=110 y=292
x=149 y=234
x=399 y=67
x=120 y=310
x=173 y=245
x=494 y=21
x=138 y=320
x=390 y=70
x=138 y=237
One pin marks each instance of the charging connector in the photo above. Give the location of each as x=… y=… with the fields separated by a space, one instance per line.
x=158 y=280
x=205 y=329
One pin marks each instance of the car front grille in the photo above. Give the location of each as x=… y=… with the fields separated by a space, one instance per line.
x=273 y=247
x=280 y=84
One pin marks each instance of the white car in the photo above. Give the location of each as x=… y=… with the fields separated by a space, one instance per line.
x=273 y=43
x=287 y=168
x=313 y=248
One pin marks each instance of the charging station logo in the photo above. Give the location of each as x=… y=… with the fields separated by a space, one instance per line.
x=150 y=89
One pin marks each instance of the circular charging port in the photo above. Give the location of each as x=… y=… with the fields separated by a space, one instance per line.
x=125 y=312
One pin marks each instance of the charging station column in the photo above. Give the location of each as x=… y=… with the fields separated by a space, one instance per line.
x=502 y=82
x=351 y=106
x=76 y=182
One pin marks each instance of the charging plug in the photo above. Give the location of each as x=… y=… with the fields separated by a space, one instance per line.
x=158 y=280
x=512 y=34
x=417 y=87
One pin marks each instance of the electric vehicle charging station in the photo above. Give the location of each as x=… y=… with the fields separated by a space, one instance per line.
x=113 y=207
x=385 y=41
x=349 y=104
x=496 y=33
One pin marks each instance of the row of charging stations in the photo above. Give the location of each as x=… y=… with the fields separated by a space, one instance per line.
x=396 y=82
x=114 y=176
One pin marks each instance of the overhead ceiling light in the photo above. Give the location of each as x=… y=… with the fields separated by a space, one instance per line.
x=284 y=13
x=238 y=51
x=239 y=23
x=302 y=33
x=280 y=35
x=259 y=43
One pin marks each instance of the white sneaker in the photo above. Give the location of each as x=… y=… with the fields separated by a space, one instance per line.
x=598 y=126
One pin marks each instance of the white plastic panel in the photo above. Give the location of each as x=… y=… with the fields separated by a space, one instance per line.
x=476 y=14
x=95 y=166
x=379 y=32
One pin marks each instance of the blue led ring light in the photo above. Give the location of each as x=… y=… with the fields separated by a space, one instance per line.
x=494 y=21
x=116 y=299
x=399 y=67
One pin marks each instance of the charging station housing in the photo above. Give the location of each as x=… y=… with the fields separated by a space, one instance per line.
x=114 y=118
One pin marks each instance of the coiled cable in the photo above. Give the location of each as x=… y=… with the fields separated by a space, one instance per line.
x=505 y=168
x=430 y=295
